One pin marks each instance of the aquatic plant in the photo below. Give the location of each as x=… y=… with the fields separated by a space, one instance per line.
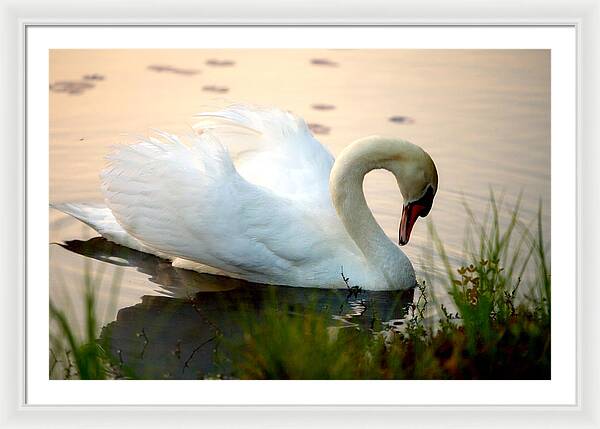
x=81 y=355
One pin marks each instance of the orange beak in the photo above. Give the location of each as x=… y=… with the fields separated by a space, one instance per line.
x=411 y=212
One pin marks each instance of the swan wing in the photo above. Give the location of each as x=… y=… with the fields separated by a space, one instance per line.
x=186 y=199
x=274 y=149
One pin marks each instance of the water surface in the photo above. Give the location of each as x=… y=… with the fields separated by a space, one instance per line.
x=483 y=115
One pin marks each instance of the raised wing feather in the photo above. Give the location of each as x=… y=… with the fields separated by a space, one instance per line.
x=274 y=149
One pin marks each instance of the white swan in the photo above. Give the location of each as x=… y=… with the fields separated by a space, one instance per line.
x=254 y=195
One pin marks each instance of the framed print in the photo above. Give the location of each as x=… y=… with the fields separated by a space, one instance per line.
x=317 y=216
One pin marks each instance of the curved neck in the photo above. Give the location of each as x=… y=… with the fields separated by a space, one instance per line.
x=346 y=188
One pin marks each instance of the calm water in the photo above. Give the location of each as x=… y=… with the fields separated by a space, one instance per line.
x=484 y=116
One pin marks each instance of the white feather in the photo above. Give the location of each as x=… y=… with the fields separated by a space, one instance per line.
x=247 y=196
x=187 y=198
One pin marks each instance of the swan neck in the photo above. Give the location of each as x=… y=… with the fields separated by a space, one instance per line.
x=346 y=188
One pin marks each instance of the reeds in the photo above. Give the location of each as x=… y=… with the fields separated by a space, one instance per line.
x=80 y=355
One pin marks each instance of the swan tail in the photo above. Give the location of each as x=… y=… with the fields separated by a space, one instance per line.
x=101 y=219
x=97 y=217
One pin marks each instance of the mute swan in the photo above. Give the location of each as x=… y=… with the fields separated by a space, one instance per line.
x=253 y=195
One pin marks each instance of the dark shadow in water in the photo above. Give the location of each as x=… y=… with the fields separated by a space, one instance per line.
x=174 y=282
x=179 y=336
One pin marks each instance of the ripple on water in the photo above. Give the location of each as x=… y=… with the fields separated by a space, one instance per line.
x=215 y=88
x=401 y=120
x=93 y=76
x=165 y=68
x=323 y=106
x=220 y=63
x=71 y=87
x=319 y=128
x=323 y=62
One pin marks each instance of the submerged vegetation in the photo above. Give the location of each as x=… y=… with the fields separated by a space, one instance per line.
x=494 y=325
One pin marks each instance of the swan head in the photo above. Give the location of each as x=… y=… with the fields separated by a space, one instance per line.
x=417 y=179
x=415 y=173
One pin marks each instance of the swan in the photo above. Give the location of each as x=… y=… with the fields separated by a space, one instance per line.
x=251 y=194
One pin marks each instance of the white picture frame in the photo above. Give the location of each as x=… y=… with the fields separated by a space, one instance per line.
x=581 y=15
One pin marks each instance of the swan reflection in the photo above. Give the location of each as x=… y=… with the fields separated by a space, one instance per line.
x=177 y=335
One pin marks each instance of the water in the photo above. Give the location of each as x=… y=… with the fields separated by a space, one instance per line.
x=484 y=117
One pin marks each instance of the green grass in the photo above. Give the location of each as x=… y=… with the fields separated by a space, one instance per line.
x=497 y=325
x=80 y=355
